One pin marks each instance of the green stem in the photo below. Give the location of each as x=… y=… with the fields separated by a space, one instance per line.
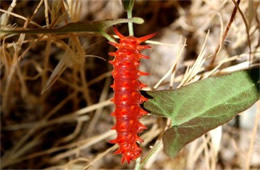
x=130 y=24
x=140 y=165
x=107 y=36
x=137 y=165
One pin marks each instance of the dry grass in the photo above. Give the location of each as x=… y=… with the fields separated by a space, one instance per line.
x=55 y=95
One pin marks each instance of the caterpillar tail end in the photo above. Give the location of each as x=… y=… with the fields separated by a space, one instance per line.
x=130 y=155
x=129 y=151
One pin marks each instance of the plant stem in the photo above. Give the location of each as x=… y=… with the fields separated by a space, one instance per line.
x=107 y=36
x=130 y=24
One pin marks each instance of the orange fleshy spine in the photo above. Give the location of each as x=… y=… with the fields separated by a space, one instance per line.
x=127 y=97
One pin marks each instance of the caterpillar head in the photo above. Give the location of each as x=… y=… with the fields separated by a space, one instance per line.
x=130 y=42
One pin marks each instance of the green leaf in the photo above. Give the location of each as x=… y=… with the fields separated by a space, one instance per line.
x=95 y=26
x=128 y=4
x=204 y=105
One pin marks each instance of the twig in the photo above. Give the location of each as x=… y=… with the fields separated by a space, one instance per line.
x=247 y=31
x=225 y=33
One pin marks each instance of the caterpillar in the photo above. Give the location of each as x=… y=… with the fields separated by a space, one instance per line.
x=127 y=98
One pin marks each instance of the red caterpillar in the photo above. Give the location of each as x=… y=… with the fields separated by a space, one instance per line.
x=127 y=98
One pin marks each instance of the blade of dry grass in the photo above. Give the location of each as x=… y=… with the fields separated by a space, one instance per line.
x=100 y=156
x=83 y=144
x=172 y=70
x=194 y=70
x=253 y=138
x=98 y=112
